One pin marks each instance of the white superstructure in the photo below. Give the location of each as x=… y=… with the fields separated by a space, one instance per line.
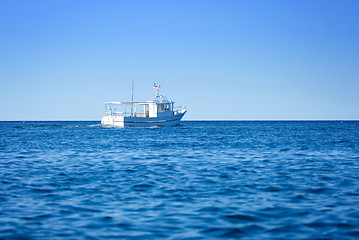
x=159 y=112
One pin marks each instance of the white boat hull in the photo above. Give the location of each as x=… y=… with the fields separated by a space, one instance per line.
x=120 y=121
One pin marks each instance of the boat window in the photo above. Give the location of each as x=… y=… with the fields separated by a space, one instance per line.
x=141 y=110
x=164 y=107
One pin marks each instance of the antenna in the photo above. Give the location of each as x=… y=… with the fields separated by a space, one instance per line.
x=156 y=88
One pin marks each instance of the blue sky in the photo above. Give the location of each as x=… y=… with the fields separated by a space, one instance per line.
x=238 y=60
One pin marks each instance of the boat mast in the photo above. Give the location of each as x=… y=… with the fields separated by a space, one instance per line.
x=133 y=86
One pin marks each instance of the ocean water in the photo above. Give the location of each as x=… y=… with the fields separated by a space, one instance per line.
x=198 y=180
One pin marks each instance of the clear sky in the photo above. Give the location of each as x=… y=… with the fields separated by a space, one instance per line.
x=240 y=60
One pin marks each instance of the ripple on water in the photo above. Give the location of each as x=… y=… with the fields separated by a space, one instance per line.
x=201 y=180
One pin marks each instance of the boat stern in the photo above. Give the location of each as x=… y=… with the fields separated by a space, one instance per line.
x=116 y=121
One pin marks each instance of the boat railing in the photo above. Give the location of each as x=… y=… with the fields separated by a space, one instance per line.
x=111 y=112
x=126 y=114
x=118 y=113
x=141 y=114
x=179 y=110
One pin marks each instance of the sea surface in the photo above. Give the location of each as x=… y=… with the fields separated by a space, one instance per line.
x=198 y=180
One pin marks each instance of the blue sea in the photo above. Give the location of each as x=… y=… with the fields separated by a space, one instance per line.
x=198 y=180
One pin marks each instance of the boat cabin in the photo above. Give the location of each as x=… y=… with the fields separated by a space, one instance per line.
x=140 y=109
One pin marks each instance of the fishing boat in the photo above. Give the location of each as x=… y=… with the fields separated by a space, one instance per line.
x=157 y=113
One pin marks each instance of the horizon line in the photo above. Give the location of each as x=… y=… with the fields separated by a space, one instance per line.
x=189 y=120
